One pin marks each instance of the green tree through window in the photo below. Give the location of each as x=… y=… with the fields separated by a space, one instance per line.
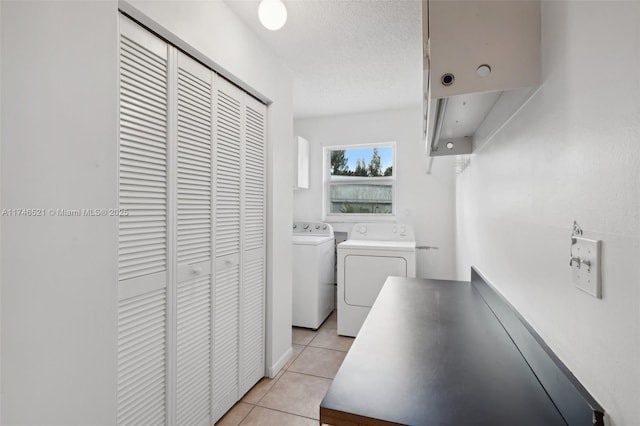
x=361 y=180
x=374 y=164
x=339 y=163
x=361 y=169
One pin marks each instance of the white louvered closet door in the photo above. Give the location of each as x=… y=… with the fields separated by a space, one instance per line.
x=194 y=245
x=252 y=330
x=191 y=252
x=142 y=239
x=228 y=157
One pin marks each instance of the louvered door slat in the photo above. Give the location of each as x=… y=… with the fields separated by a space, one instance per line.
x=143 y=147
x=195 y=184
x=192 y=156
x=145 y=85
x=142 y=235
x=226 y=338
x=254 y=178
x=197 y=121
x=191 y=128
x=145 y=96
x=141 y=342
x=193 y=384
x=136 y=99
x=196 y=125
x=253 y=323
x=152 y=56
x=228 y=163
x=254 y=223
x=194 y=252
x=197 y=146
x=142 y=110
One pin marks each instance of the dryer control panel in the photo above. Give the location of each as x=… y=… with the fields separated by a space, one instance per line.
x=382 y=232
x=312 y=229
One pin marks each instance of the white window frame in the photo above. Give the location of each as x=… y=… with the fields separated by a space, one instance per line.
x=328 y=179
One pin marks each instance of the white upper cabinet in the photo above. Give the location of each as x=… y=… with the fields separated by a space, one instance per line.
x=301 y=177
x=480 y=46
x=474 y=51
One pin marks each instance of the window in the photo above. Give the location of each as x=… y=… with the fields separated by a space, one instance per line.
x=359 y=181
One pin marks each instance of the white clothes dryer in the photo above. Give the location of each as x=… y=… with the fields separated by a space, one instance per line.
x=373 y=252
x=313 y=273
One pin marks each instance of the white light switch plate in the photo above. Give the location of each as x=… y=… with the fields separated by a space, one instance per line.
x=586 y=276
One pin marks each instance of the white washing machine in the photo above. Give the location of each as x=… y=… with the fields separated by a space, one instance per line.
x=373 y=252
x=313 y=273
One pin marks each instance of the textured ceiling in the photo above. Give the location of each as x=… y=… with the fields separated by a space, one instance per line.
x=346 y=55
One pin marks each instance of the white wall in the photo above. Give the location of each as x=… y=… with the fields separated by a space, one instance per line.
x=280 y=207
x=59 y=133
x=572 y=153
x=214 y=31
x=425 y=201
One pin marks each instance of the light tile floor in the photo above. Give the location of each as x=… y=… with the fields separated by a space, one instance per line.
x=293 y=397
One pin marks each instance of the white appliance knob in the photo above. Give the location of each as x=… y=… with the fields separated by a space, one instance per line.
x=317 y=226
x=324 y=227
x=394 y=229
x=306 y=226
x=363 y=229
x=295 y=225
x=403 y=229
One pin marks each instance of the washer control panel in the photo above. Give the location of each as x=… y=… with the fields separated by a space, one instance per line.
x=312 y=228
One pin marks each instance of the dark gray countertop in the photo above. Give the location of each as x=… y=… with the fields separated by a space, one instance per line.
x=431 y=352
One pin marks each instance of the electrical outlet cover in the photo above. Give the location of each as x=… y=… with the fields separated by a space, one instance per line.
x=586 y=276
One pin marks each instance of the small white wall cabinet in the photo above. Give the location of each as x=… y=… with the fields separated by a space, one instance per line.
x=192 y=248
x=301 y=178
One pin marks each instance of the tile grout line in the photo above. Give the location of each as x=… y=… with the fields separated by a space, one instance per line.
x=308 y=344
x=247 y=415
x=286 y=412
x=277 y=380
x=287 y=370
x=328 y=349
x=310 y=375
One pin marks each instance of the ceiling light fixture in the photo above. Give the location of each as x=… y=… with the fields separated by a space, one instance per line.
x=272 y=14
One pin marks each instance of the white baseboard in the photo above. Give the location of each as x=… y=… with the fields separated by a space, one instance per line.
x=274 y=369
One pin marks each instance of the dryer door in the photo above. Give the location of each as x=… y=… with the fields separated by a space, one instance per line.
x=365 y=275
